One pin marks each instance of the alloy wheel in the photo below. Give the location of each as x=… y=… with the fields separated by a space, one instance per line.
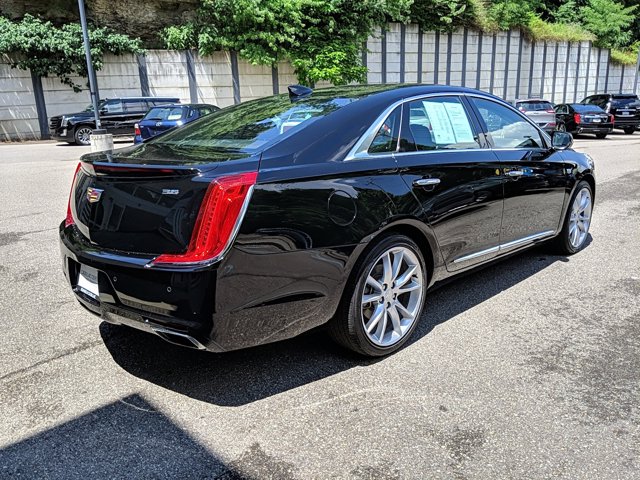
x=580 y=218
x=392 y=296
x=83 y=135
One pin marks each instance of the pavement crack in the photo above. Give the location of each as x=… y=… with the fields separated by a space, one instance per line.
x=65 y=353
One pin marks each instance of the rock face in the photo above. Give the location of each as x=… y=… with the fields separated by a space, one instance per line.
x=137 y=18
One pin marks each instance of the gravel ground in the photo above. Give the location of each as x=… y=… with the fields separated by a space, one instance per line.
x=528 y=369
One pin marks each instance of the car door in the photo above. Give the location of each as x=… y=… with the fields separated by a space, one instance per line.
x=536 y=177
x=112 y=115
x=456 y=179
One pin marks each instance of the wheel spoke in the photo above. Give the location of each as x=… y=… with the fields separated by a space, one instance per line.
x=406 y=276
x=397 y=264
x=382 y=325
x=374 y=297
x=375 y=318
x=409 y=288
x=395 y=320
x=375 y=284
x=402 y=310
x=387 y=274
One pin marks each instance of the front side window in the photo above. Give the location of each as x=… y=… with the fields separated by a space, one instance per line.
x=439 y=123
x=506 y=127
x=386 y=139
x=112 y=106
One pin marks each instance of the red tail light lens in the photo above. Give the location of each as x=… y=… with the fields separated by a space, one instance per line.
x=576 y=117
x=69 y=220
x=550 y=110
x=136 y=130
x=612 y=119
x=218 y=218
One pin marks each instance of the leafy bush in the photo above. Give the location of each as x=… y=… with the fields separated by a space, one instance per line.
x=540 y=30
x=32 y=44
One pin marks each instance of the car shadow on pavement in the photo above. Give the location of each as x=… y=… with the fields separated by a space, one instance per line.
x=244 y=376
x=128 y=438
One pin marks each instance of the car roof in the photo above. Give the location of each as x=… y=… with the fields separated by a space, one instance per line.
x=185 y=105
x=141 y=98
x=532 y=100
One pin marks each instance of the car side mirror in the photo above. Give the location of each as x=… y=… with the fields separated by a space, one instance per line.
x=103 y=111
x=561 y=140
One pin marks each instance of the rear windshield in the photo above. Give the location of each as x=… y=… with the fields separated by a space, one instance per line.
x=580 y=108
x=250 y=127
x=534 y=105
x=165 y=113
x=630 y=101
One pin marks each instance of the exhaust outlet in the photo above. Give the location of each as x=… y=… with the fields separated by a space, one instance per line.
x=178 y=338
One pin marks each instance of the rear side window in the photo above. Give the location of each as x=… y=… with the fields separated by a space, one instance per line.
x=135 y=106
x=439 y=124
x=164 y=113
x=506 y=127
x=562 y=109
x=534 y=106
x=252 y=126
x=386 y=140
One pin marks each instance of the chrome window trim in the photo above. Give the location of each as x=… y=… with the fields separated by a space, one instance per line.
x=360 y=150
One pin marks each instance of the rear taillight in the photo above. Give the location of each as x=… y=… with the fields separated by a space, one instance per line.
x=136 y=130
x=69 y=220
x=550 y=110
x=219 y=218
x=612 y=119
x=576 y=117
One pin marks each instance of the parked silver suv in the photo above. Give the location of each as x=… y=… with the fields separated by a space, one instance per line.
x=539 y=110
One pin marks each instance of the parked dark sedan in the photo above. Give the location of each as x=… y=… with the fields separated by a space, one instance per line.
x=578 y=118
x=160 y=119
x=117 y=116
x=339 y=206
x=625 y=108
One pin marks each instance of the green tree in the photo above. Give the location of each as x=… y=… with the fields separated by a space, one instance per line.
x=610 y=21
x=32 y=44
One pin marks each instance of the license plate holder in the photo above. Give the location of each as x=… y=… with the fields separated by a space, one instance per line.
x=88 y=281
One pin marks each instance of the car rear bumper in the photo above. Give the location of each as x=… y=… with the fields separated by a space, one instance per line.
x=595 y=128
x=244 y=301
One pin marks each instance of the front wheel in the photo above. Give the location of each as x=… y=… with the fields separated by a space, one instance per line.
x=381 y=309
x=629 y=130
x=82 y=135
x=575 y=230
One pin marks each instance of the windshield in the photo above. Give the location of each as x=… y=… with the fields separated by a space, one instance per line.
x=165 y=113
x=630 y=101
x=251 y=126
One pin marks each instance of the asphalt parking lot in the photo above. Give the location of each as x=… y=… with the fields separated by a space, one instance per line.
x=528 y=369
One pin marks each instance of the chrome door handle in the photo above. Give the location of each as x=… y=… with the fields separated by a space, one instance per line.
x=515 y=173
x=426 y=182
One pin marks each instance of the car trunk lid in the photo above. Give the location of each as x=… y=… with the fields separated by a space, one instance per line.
x=147 y=203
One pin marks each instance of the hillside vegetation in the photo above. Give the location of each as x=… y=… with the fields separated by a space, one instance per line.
x=321 y=38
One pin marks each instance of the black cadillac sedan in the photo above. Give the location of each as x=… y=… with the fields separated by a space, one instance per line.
x=339 y=206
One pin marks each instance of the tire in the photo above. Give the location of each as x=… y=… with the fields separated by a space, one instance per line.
x=601 y=135
x=81 y=135
x=629 y=130
x=561 y=127
x=394 y=326
x=567 y=243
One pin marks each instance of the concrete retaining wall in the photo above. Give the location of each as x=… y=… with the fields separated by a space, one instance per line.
x=506 y=64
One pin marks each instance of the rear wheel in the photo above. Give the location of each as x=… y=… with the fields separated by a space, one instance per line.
x=561 y=127
x=601 y=135
x=381 y=310
x=82 y=135
x=629 y=130
x=575 y=230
